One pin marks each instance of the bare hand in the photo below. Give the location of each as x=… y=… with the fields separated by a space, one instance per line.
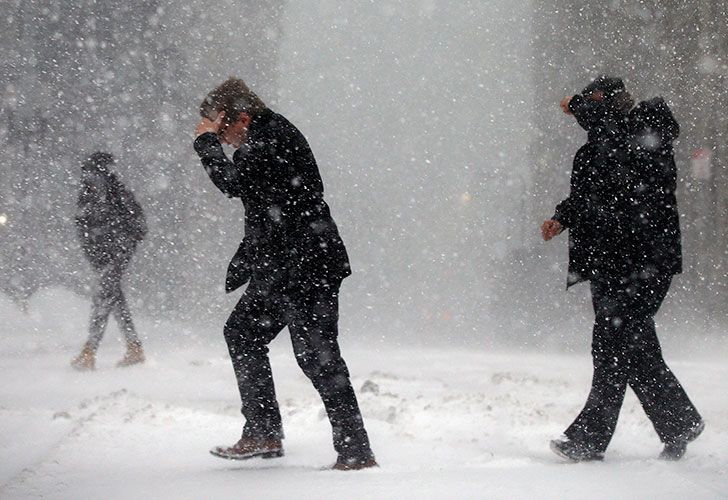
x=565 y=105
x=207 y=125
x=550 y=228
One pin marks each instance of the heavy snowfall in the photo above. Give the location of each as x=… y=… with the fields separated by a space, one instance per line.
x=438 y=135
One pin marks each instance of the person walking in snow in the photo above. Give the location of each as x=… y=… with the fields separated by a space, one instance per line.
x=294 y=259
x=624 y=238
x=110 y=224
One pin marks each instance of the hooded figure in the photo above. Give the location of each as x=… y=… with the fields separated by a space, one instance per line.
x=624 y=238
x=110 y=225
x=598 y=197
x=109 y=220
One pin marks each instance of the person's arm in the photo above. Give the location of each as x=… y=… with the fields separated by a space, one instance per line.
x=84 y=226
x=219 y=168
x=578 y=208
x=568 y=212
x=562 y=216
x=81 y=224
x=572 y=210
x=133 y=214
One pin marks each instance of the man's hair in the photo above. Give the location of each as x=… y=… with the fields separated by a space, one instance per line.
x=233 y=97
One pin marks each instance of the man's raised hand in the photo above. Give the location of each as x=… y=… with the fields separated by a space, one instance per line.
x=207 y=125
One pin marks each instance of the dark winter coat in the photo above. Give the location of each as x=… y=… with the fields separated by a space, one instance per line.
x=109 y=221
x=288 y=225
x=621 y=211
x=652 y=129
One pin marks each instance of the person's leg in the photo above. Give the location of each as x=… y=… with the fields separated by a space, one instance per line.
x=596 y=423
x=101 y=305
x=314 y=334
x=123 y=317
x=253 y=324
x=120 y=309
x=660 y=393
x=134 y=351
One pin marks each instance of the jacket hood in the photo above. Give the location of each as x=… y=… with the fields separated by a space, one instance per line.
x=655 y=114
x=610 y=86
x=98 y=161
x=596 y=117
x=612 y=109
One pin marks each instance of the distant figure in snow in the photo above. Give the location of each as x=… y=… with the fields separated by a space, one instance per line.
x=624 y=238
x=295 y=260
x=110 y=225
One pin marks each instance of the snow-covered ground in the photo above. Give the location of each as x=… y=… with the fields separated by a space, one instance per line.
x=444 y=423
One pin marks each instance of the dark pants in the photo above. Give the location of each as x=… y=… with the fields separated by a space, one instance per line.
x=108 y=298
x=311 y=313
x=625 y=350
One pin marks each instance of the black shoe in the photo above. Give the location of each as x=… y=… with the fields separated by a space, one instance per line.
x=675 y=449
x=575 y=451
x=343 y=463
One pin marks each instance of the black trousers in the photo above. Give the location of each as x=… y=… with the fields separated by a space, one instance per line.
x=109 y=298
x=311 y=313
x=626 y=351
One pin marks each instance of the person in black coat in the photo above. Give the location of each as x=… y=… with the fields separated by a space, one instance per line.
x=110 y=224
x=294 y=260
x=624 y=238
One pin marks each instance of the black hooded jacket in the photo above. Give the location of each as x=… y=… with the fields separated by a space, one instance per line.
x=288 y=225
x=652 y=130
x=621 y=211
x=109 y=221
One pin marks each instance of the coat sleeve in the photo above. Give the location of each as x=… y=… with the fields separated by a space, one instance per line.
x=574 y=208
x=83 y=219
x=221 y=170
x=87 y=227
x=134 y=214
x=81 y=224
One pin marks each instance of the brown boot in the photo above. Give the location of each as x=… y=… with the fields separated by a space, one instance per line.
x=134 y=356
x=86 y=361
x=249 y=447
x=354 y=464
